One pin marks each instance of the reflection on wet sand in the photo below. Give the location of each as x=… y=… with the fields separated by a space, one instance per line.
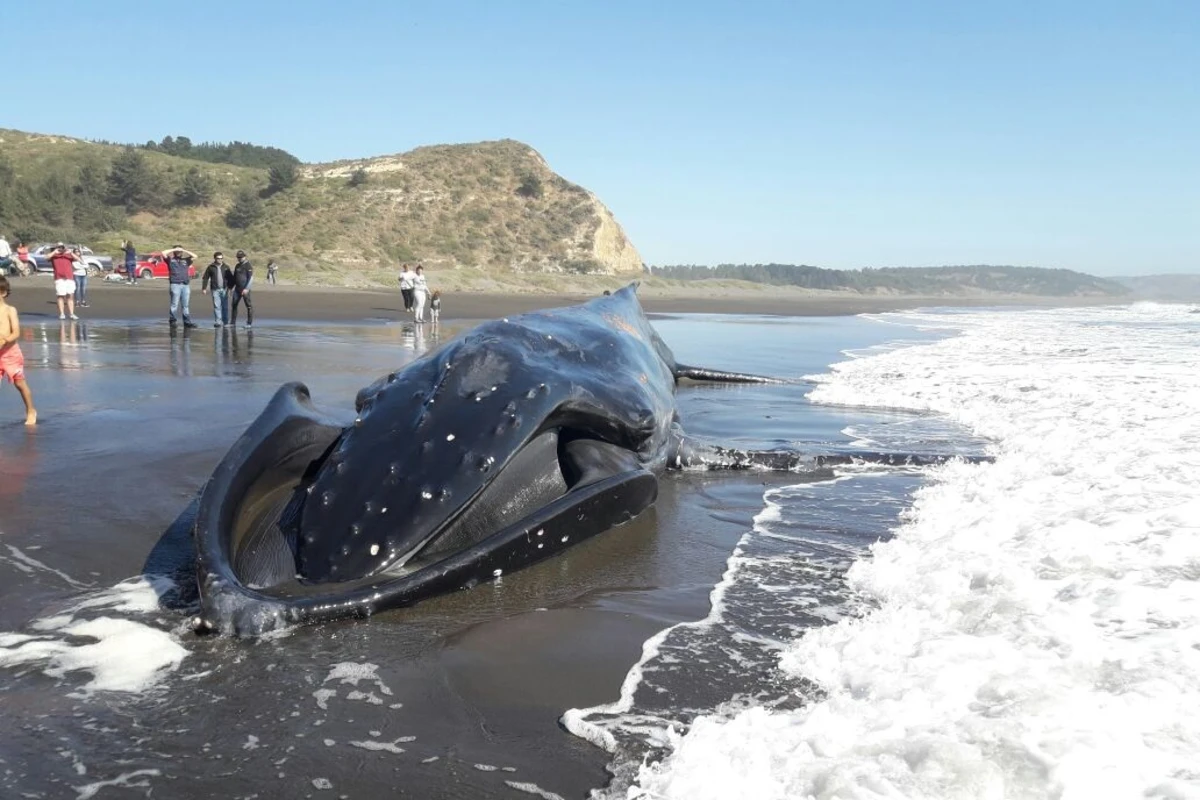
x=231 y=352
x=71 y=335
x=181 y=353
x=420 y=337
x=18 y=460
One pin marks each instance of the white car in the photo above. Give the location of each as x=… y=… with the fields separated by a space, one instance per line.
x=97 y=265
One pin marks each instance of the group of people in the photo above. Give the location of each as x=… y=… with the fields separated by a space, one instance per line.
x=230 y=287
x=416 y=293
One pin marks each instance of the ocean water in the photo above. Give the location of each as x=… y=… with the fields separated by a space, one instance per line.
x=1026 y=628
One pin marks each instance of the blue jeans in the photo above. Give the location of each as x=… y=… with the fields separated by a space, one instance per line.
x=220 y=307
x=80 y=289
x=181 y=293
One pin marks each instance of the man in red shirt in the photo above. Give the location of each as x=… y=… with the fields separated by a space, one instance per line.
x=63 y=261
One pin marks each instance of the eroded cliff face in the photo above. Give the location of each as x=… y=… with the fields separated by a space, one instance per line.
x=611 y=247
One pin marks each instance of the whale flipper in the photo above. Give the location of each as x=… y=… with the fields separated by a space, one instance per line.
x=685 y=372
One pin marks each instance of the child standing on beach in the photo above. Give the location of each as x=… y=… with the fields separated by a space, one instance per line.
x=12 y=361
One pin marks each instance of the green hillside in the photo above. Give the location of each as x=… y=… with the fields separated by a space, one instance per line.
x=491 y=206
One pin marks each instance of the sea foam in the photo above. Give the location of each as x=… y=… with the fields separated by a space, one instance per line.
x=1031 y=630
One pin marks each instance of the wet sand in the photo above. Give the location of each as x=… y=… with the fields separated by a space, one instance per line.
x=149 y=300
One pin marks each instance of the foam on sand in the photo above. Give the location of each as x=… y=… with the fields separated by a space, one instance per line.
x=121 y=654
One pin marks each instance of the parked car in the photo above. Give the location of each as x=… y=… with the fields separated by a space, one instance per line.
x=97 y=265
x=154 y=266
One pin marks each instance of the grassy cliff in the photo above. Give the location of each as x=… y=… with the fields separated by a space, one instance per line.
x=479 y=208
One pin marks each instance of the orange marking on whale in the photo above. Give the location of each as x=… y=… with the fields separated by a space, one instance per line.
x=622 y=324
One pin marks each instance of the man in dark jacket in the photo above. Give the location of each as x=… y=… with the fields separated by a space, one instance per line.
x=243 y=277
x=219 y=276
x=179 y=264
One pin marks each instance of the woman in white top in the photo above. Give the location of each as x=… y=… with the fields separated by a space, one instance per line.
x=406 y=287
x=81 y=276
x=420 y=293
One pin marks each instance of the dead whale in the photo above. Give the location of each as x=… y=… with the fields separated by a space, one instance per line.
x=507 y=445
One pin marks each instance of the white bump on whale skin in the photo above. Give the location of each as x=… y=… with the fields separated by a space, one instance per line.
x=542 y=531
x=427 y=495
x=374 y=549
x=565 y=538
x=450 y=437
x=496 y=573
x=541 y=545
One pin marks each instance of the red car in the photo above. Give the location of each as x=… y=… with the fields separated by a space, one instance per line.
x=154 y=266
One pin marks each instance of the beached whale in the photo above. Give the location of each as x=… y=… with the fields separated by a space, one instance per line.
x=509 y=444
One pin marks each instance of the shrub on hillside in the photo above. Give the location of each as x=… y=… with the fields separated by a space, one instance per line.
x=531 y=187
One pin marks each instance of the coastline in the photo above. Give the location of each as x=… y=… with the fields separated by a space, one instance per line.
x=34 y=297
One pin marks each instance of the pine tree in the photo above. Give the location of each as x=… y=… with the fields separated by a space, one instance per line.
x=196 y=189
x=132 y=183
x=245 y=211
x=282 y=176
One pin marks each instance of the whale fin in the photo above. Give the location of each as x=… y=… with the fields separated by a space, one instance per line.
x=685 y=372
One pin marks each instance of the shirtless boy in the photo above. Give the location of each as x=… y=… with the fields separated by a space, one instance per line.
x=12 y=362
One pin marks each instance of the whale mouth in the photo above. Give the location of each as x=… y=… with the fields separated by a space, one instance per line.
x=557 y=489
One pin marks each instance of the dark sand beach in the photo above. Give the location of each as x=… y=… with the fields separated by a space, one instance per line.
x=457 y=697
x=35 y=298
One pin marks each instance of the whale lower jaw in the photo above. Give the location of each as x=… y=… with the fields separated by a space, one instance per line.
x=245 y=524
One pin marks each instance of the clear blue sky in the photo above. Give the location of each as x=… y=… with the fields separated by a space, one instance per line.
x=838 y=134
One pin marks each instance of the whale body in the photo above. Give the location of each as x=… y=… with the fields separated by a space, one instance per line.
x=521 y=438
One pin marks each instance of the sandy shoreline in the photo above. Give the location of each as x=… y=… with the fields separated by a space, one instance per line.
x=34 y=298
